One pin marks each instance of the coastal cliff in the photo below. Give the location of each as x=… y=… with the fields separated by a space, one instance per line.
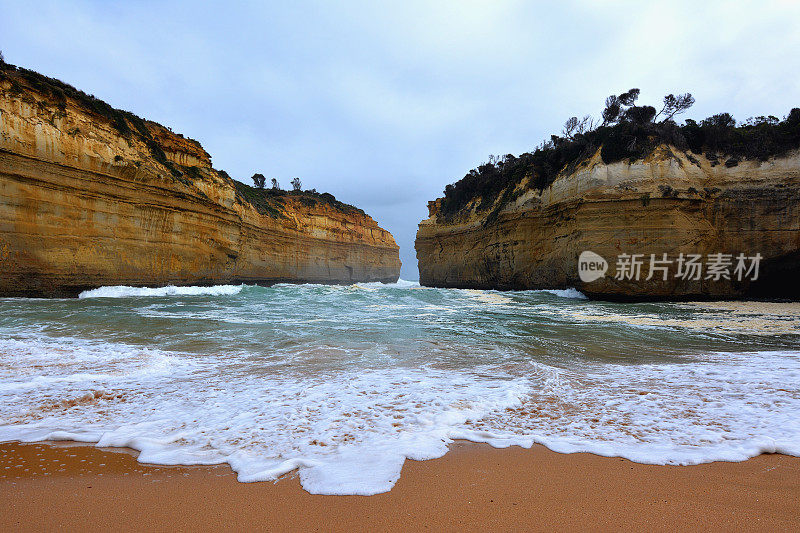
x=670 y=201
x=93 y=196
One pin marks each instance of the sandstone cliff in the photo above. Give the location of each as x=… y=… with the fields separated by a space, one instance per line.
x=670 y=202
x=93 y=196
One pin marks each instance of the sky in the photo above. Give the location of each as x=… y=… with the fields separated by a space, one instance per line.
x=384 y=103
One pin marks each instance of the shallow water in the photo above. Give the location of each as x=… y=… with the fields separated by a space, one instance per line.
x=345 y=383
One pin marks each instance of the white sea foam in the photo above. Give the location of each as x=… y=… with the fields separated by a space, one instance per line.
x=348 y=433
x=123 y=291
x=28 y=362
x=400 y=284
x=565 y=293
x=344 y=384
x=722 y=407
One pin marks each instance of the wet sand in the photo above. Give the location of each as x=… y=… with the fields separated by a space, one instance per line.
x=474 y=487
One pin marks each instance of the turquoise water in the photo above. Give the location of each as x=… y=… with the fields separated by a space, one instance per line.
x=344 y=383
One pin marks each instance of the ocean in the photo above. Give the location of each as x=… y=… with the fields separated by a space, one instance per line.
x=343 y=383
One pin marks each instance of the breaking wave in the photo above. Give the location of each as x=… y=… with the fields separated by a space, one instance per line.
x=344 y=383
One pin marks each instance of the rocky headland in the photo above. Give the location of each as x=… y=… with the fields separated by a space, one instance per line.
x=692 y=191
x=91 y=196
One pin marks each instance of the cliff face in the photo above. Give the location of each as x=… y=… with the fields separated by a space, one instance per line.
x=91 y=198
x=669 y=203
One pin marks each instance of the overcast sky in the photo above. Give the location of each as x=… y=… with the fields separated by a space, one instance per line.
x=384 y=103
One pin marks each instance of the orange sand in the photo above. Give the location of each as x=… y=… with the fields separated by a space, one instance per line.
x=474 y=487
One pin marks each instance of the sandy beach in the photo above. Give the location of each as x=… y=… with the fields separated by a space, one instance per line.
x=474 y=487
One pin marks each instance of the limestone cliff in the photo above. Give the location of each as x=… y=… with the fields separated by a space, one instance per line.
x=93 y=196
x=670 y=202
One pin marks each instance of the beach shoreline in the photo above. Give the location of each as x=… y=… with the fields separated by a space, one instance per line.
x=473 y=487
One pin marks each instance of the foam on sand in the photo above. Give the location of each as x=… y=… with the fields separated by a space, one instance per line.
x=350 y=432
x=344 y=384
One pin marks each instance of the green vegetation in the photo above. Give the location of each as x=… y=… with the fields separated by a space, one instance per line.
x=259 y=180
x=626 y=132
x=264 y=202
x=271 y=202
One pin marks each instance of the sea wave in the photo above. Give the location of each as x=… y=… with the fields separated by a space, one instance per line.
x=399 y=284
x=124 y=291
x=344 y=383
x=350 y=432
x=565 y=293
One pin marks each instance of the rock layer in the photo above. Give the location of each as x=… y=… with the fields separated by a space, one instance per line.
x=87 y=202
x=671 y=202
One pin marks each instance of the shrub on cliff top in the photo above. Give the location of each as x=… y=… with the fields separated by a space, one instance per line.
x=270 y=201
x=627 y=131
x=259 y=180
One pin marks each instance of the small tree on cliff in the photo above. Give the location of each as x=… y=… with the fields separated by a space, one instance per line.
x=259 y=180
x=615 y=106
x=675 y=105
x=297 y=185
x=573 y=127
x=275 y=185
x=2 y=59
x=611 y=111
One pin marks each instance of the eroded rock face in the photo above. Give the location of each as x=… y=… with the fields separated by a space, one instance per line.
x=83 y=205
x=672 y=202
